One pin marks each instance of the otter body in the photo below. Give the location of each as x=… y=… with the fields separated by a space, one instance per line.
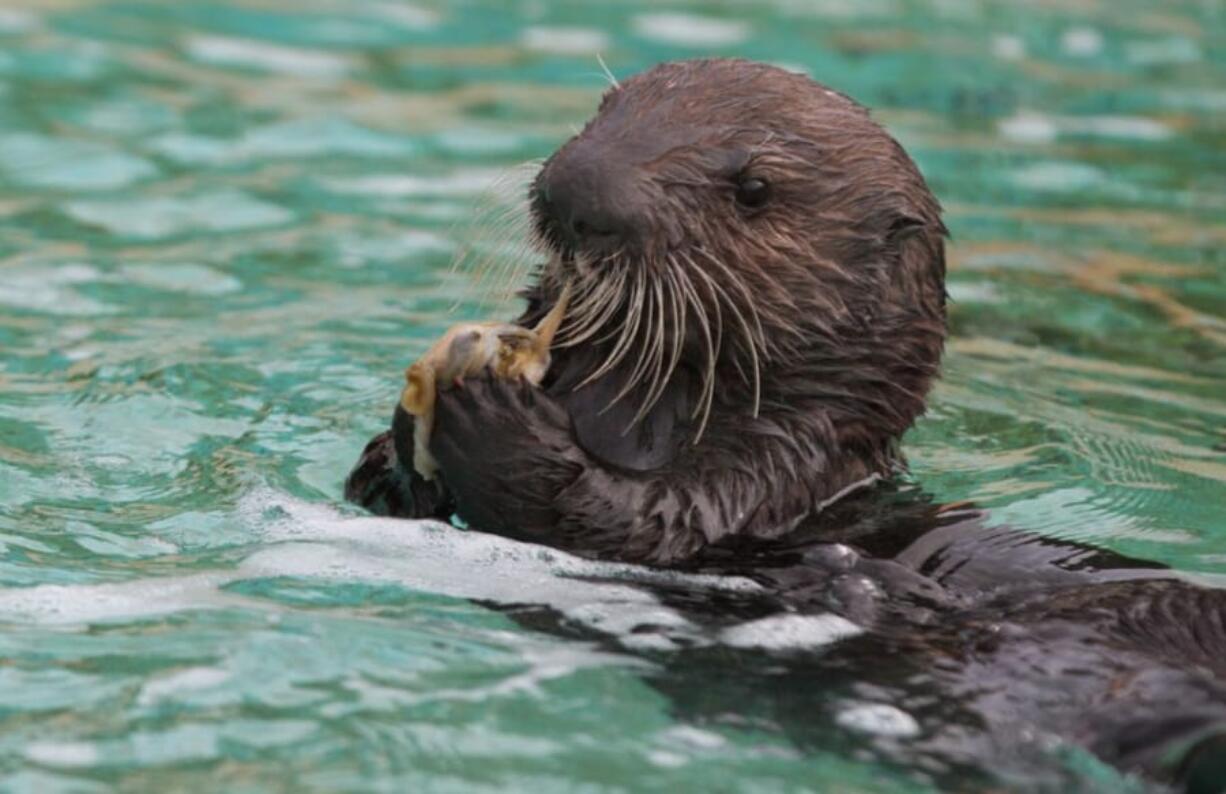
x=758 y=313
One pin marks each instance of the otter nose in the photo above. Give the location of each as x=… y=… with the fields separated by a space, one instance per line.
x=592 y=203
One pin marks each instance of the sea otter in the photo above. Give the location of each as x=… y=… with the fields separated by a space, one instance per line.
x=758 y=314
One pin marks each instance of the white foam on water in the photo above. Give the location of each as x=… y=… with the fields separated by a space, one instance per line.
x=666 y=760
x=62 y=754
x=841 y=9
x=181 y=277
x=787 y=632
x=691 y=30
x=479 y=141
x=1028 y=127
x=66 y=164
x=438 y=558
x=664 y=629
x=193 y=678
x=164 y=216
x=878 y=719
x=264 y=55
x=67 y=605
x=132 y=118
x=52 y=290
x=1008 y=47
x=301 y=520
x=682 y=744
x=317 y=137
x=463 y=182
x=694 y=738
x=316 y=541
x=1163 y=52
x=1194 y=99
x=564 y=40
x=543 y=662
x=116 y=544
x=14 y=20
x=1137 y=128
x=1058 y=176
x=357 y=250
x=402 y=14
x=1081 y=42
x=191 y=149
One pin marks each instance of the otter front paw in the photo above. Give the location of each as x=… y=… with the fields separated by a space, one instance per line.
x=384 y=485
x=505 y=451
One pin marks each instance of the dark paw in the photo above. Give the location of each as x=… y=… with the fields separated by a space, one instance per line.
x=502 y=447
x=382 y=485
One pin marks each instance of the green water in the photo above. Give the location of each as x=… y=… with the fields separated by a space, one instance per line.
x=225 y=229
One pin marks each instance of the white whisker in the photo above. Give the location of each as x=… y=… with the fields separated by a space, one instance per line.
x=498 y=245
x=604 y=67
x=734 y=307
x=629 y=329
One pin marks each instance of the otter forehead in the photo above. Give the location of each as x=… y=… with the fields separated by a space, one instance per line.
x=718 y=101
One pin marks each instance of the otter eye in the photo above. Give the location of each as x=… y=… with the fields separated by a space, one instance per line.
x=753 y=193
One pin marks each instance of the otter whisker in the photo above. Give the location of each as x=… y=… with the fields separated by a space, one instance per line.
x=629 y=330
x=680 y=312
x=751 y=344
x=598 y=304
x=689 y=298
x=628 y=333
x=608 y=74
x=659 y=375
x=676 y=310
x=583 y=291
x=651 y=357
x=514 y=270
x=498 y=242
x=746 y=295
x=656 y=335
x=486 y=246
x=489 y=263
x=748 y=298
x=707 y=394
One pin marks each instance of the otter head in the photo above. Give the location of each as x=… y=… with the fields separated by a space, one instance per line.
x=758 y=229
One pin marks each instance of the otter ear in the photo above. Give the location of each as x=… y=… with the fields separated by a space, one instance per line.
x=917 y=246
x=904 y=226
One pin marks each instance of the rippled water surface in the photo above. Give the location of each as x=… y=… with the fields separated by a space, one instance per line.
x=225 y=229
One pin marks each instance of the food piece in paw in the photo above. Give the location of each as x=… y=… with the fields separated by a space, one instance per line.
x=509 y=351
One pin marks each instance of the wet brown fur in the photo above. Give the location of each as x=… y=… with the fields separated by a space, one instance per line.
x=824 y=321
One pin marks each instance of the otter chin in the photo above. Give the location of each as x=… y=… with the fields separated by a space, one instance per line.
x=758 y=314
x=756 y=276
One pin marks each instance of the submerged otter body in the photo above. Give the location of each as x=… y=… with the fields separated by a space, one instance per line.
x=758 y=313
